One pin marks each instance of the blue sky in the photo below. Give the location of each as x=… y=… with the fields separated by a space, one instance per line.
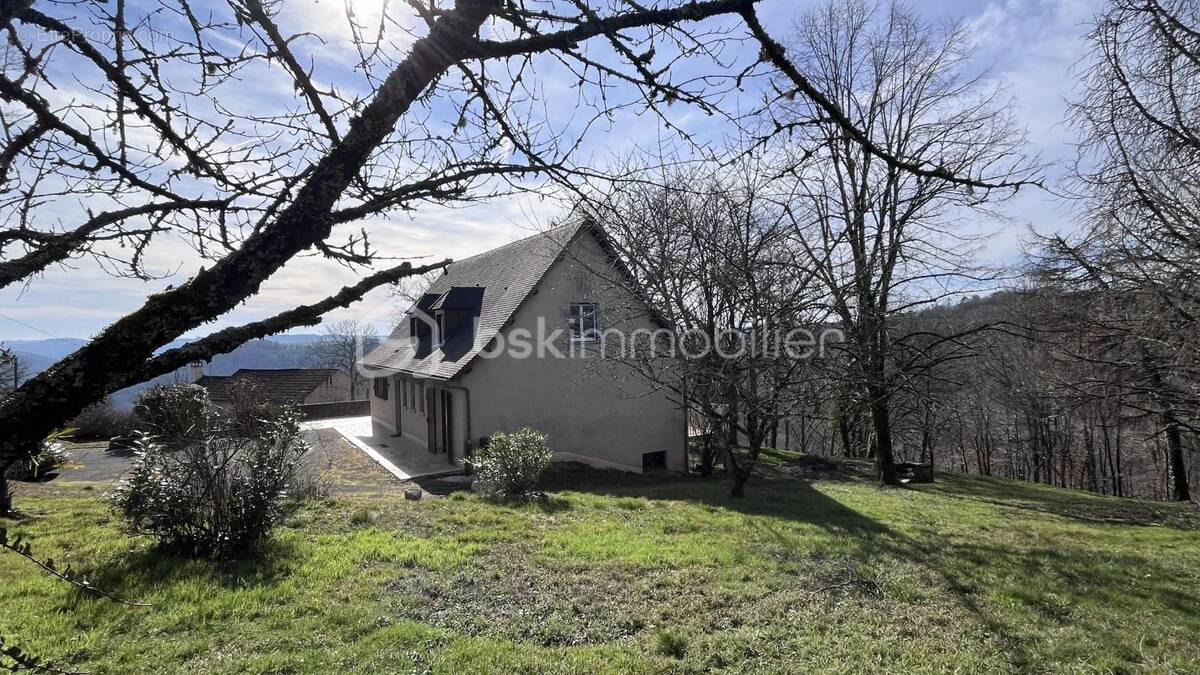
x=1030 y=46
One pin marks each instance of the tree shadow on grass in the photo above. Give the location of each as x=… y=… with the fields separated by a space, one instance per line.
x=769 y=496
x=1075 y=504
x=1014 y=593
x=1047 y=591
x=1020 y=593
x=135 y=574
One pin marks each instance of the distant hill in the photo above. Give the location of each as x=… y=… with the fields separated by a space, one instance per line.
x=281 y=351
x=53 y=348
x=34 y=362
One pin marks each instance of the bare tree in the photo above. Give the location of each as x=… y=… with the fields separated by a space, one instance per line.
x=341 y=345
x=1137 y=177
x=709 y=251
x=408 y=291
x=881 y=238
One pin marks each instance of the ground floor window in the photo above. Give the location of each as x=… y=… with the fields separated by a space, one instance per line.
x=381 y=387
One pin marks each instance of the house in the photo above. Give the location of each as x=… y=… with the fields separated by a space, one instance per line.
x=283 y=386
x=507 y=339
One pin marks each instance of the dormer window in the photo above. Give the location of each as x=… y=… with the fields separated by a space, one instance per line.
x=441 y=328
x=585 y=322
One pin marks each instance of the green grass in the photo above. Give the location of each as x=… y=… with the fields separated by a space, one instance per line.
x=623 y=574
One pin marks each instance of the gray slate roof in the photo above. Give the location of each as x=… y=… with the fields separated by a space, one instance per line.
x=277 y=385
x=507 y=275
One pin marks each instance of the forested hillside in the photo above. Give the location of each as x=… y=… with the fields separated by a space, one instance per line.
x=1039 y=385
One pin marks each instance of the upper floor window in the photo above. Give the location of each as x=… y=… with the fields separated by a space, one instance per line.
x=585 y=322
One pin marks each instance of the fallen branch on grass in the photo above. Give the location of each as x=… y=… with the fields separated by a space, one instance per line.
x=23 y=661
x=22 y=548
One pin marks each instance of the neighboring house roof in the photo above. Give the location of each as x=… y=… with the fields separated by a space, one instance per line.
x=505 y=275
x=277 y=385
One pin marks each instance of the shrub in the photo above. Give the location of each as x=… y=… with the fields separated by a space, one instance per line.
x=102 y=422
x=219 y=495
x=672 y=644
x=51 y=456
x=512 y=464
x=40 y=467
x=176 y=414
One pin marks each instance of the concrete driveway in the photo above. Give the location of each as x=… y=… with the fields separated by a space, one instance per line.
x=90 y=463
x=334 y=443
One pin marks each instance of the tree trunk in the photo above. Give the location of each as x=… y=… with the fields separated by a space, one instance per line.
x=5 y=494
x=885 y=461
x=1178 y=467
x=844 y=431
x=738 y=490
x=736 y=472
x=710 y=448
x=1119 y=471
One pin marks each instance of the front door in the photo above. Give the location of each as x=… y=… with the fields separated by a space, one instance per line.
x=432 y=418
x=437 y=420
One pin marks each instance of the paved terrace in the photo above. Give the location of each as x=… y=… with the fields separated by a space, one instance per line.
x=403 y=458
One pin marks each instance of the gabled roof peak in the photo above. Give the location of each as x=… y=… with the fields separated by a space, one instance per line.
x=502 y=278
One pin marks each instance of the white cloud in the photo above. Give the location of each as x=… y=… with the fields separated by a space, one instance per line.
x=1033 y=47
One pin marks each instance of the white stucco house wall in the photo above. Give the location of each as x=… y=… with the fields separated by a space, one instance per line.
x=465 y=362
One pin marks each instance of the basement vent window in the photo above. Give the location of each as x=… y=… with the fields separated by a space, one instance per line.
x=654 y=461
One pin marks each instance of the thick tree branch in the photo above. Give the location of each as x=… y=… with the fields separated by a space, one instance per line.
x=11 y=8
x=570 y=38
x=226 y=340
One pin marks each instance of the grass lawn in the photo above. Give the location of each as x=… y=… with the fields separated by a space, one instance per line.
x=635 y=574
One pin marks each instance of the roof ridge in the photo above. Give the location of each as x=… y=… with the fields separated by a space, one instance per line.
x=544 y=233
